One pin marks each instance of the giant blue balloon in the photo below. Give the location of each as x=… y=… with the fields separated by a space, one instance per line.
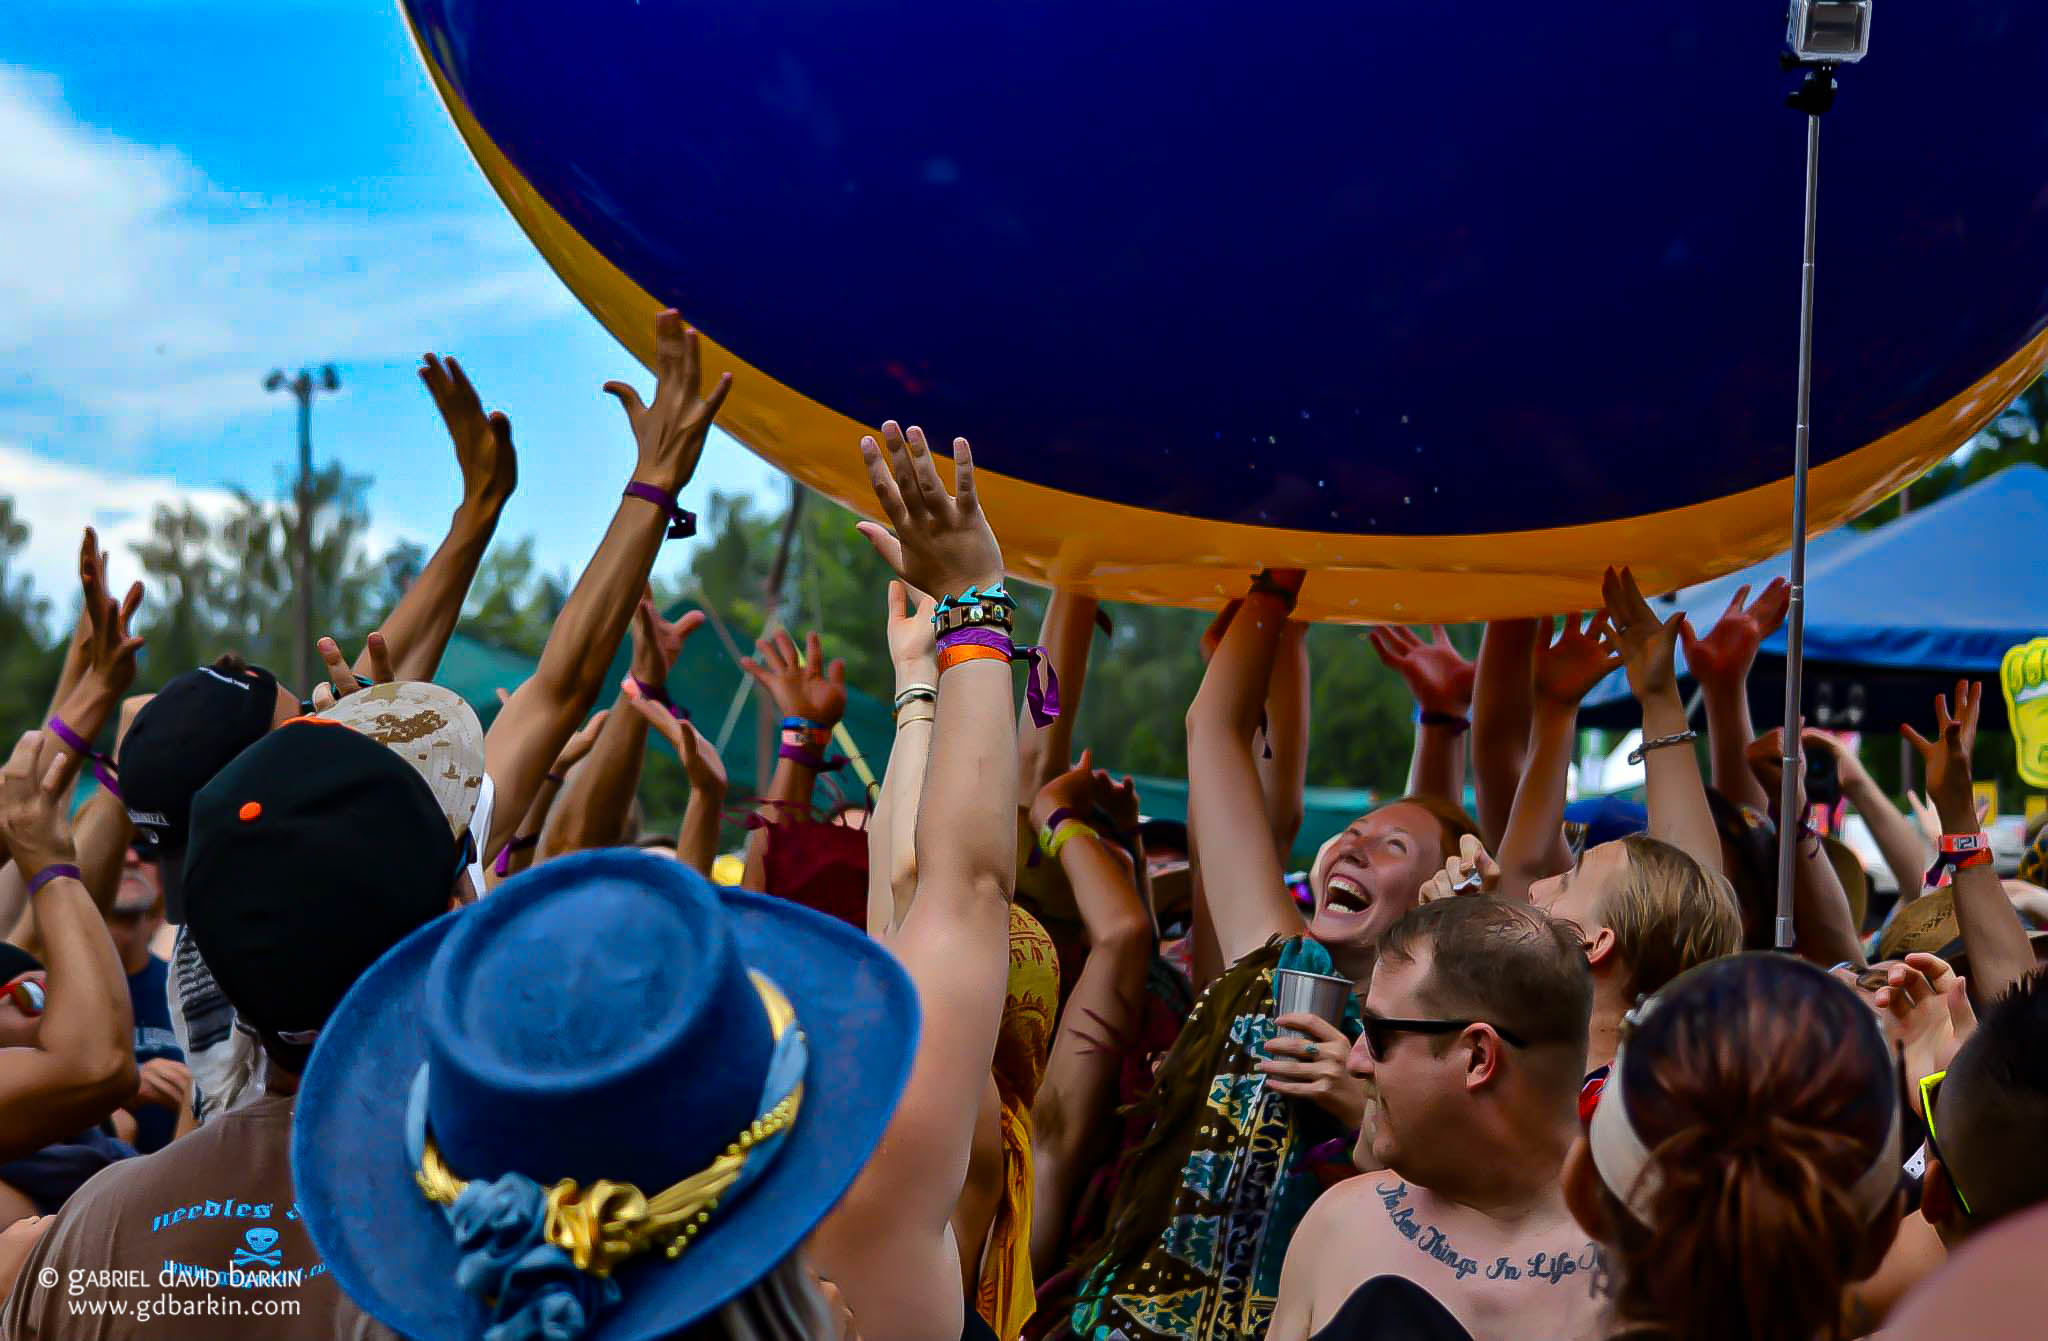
x=1453 y=303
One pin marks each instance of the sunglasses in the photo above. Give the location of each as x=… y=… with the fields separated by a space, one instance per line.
x=1930 y=1086
x=1379 y=1031
x=28 y=994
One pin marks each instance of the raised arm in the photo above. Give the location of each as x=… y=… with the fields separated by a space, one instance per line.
x=594 y=804
x=1283 y=763
x=1562 y=673
x=1100 y=1016
x=1440 y=680
x=1503 y=703
x=889 y=1246
x=1897 y=838
x=419 y=626
x=811 y=696
x=1227 y=821
x=1993 y=937
x=697 y=840
x=1824 y=931
x=892 y=829
x=1068 y=636
x=1677 y=799
x=518 y=854
x=545 y=711
x=82 y=1065
x=1720 y=663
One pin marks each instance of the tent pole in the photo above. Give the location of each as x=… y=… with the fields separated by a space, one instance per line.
x=1790 y=824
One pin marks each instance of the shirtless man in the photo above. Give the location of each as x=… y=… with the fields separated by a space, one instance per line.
x=1473 y=1053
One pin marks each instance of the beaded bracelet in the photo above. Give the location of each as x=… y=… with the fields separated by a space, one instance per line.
x=1635 y=756
x=975 y=608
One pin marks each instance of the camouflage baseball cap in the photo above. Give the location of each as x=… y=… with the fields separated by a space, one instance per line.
x=434 y=730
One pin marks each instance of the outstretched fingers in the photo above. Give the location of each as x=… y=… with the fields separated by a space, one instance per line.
x=924 y=473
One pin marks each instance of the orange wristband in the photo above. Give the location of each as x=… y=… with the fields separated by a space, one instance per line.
x=965 y=652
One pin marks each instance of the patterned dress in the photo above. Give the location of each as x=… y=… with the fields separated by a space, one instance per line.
x=1250 y=1164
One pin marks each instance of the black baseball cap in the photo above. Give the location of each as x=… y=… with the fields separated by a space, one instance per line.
x=182 y=737
x=311 y=854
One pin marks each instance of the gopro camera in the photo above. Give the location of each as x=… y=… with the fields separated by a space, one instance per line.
x=1832 y=32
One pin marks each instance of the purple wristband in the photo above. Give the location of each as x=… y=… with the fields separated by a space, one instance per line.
x=504 y=863
x=811 y=759
x=102 y=765
x=659 y=694
x=682 y=524
x=60 y=871
x=1041 y=691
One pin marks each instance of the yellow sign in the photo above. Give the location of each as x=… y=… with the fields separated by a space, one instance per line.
x=2037 y=806
x=2024 y=676
x=1987 y=801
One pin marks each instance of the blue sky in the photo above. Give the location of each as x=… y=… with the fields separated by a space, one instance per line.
x=194 y=193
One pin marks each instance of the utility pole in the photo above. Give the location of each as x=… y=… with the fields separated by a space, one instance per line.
x=766 y=733
x=304 y=387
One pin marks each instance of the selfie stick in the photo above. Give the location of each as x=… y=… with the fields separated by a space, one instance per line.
x=1816 y=94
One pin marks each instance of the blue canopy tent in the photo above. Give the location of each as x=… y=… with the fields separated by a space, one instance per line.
x=1893 y=614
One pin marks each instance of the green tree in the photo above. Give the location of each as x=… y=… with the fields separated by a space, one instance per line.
x=29 y=659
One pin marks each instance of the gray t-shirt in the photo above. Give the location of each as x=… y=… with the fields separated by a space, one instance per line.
x=201 y=1241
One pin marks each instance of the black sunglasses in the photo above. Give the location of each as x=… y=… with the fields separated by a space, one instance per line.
x=1379 y=1030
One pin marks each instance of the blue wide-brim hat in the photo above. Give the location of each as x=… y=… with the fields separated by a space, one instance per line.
x=608 y=1015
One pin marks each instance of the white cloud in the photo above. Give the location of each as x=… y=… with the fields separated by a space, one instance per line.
x=59 y=500
x=134 y=295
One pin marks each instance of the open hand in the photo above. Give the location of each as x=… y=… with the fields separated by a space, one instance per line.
x=1437 y=674
x=670 y=433
x=1072 y=790
x=942 y=542
x=1566 y=670
x=913 y=642
x=1724 y=656
x=1648 y=645
x=483 y=443
x=1925 y=1006
x=33 y=821
x=801 y=686
x=1315 y=1068
x=1925 y=817
x=1117 y=800
x=109 y=648
x=700 y=758
x=656 y=642
x=1946 y=759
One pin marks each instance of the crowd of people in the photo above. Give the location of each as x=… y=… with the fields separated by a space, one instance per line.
x=342 y=1016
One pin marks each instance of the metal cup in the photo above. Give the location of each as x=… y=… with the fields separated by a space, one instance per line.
x=1318 y=994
